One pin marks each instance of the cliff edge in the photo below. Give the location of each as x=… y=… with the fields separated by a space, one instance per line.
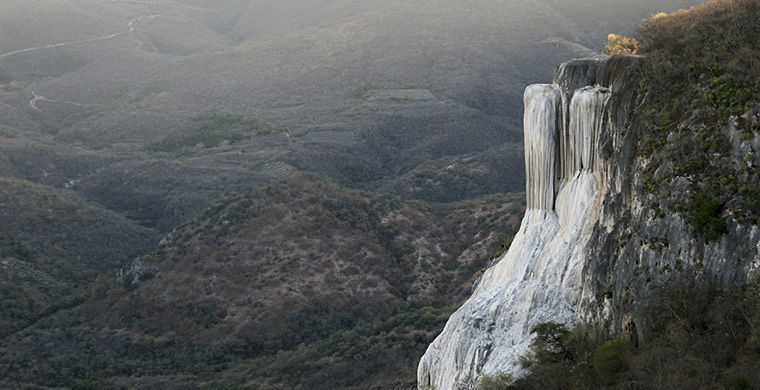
x=593 y=242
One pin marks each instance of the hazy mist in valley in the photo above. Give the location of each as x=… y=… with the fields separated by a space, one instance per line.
x=371 y=94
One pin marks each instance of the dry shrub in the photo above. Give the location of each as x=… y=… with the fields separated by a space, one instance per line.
x=619 y=44
x=726 y=30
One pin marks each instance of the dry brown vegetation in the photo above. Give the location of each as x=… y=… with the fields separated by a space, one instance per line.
x=303 y=248
x=302 y=283
x=619 y=44
x=52 y=247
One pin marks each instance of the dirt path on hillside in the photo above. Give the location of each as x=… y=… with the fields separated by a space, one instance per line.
x=130 y=25
x=38 y=98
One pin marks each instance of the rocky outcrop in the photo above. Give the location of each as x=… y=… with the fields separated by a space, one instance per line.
x=590 y=247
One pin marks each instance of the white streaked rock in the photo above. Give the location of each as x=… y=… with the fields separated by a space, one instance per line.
x=539 y=279
x=542 y=104
x=583 y=132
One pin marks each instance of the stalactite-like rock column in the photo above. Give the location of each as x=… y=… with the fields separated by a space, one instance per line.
x=542 y=103
x=585 y=124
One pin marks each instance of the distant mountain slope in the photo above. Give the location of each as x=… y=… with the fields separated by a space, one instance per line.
x=343 y=66
x=264 y=278
x=306 y=243
x=52 y=247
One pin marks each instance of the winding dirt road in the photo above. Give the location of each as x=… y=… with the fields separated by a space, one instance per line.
x=130 y=25
x=37 y=98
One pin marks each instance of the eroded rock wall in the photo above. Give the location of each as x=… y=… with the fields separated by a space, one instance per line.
x=590 y=247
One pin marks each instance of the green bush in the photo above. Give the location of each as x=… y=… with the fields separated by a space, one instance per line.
x=499 y=381
x=706 y=217
x=210 y=129
x=609 y=360
x=696 y=335
x=549 y=343
x=738 y=384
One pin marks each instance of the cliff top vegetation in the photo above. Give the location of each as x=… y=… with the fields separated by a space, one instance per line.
x=701 y=113
x=620 y=44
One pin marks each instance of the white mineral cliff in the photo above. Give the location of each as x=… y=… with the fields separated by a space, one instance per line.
x=591 y=247
x=540 y=278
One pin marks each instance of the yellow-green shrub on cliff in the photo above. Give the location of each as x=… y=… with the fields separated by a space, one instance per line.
x=620 y=44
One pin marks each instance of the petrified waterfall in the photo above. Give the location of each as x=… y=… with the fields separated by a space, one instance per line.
x=585 y=121
x=539 y=279
x=542 y=104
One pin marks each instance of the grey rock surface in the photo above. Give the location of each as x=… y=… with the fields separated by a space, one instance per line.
x=600 y=251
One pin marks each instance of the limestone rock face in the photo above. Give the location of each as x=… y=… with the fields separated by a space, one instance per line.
x=575 y=240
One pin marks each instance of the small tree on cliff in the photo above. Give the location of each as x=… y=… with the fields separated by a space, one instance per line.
x=619 y=44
